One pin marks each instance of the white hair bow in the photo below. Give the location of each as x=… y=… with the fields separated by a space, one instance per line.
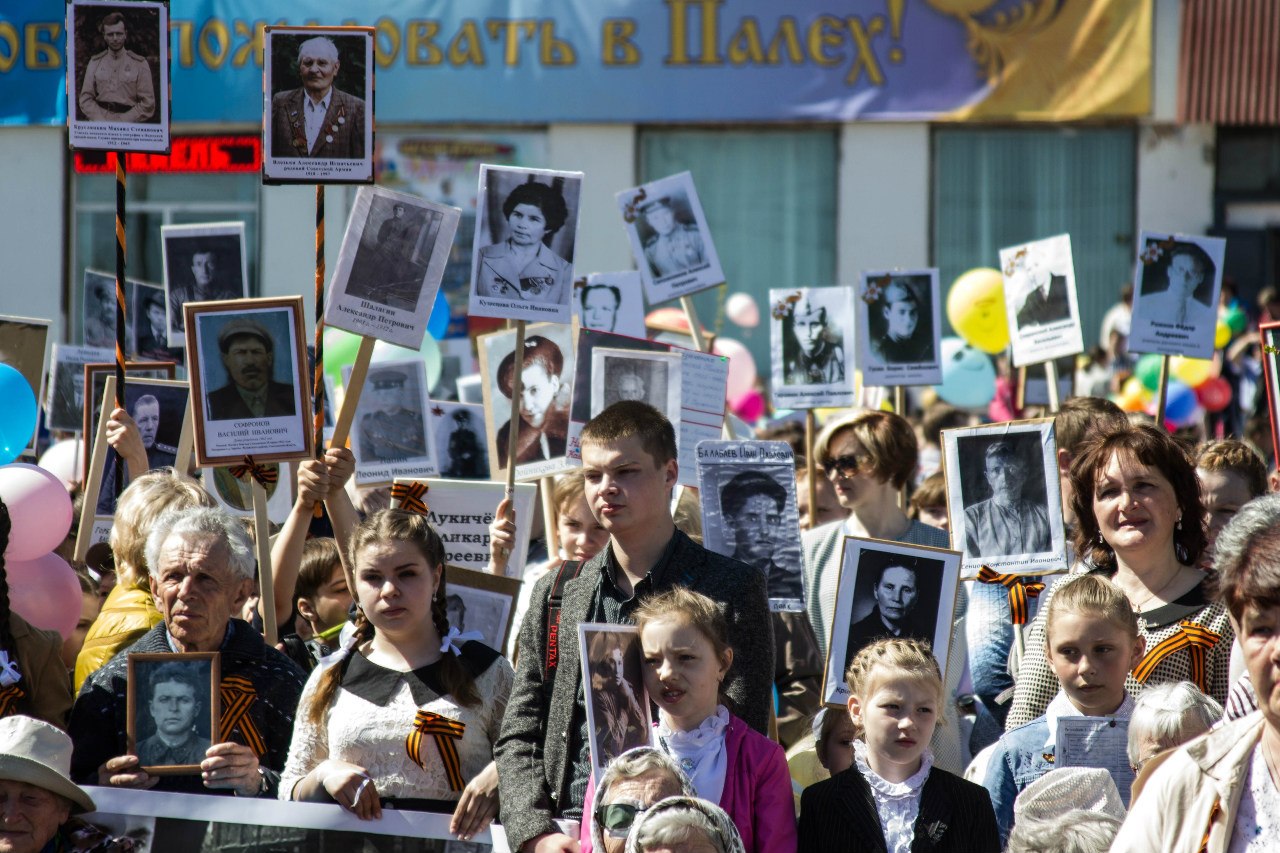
x=454 y=639
x=9 y=673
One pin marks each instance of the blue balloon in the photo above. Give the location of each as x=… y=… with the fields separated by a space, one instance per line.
x=1179 y=403
x=438 y=322
x=968 y=376
x=17 y=415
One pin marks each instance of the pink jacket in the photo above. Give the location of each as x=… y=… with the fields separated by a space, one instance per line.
x=757 y=793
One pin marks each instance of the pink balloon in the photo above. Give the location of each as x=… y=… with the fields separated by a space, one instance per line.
x=39 y=508
x=62 y=459
x=45 y=592
x=750 y=406
x=742 y=366
x=743 y=310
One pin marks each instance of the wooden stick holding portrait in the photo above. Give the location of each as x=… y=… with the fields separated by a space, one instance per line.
x=262 y=542
x=351 y=390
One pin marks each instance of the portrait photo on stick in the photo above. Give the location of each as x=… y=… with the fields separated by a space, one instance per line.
x=479 y=601
x=318 y=105
x=889 y=589
x=1004 y=496
x=811 y=337
x=899 y=328
x=610 y=302
x=173 y=709
x=390 y=437
x=624 y=374
x=670 y=239
x=460 y=443
x=526 y=235
x=118 y=75
x=64 y=406
x=617 y=705
x=1040 y=300
x=160 y=411
x=1176 y=281
x=202 y=263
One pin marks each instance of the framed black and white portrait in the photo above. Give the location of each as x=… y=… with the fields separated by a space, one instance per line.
x=64 y=405
x=899 y=327
x=670 y=239
x=610 y=302
x=1004 y=498
x=389 y=269
x=466 y=509
x=458 y=431
x=147 y=323
x=24 y=347
x=476 y=601
x=811 y=339
x=173 y=706
x=625 y=374
x=1176 y=281
x=1040 y=300
x=202 y=263
x=526 y=235
x=749 y=512
x=118 y=75
x=889 y=589
x=317 y=122
x=95 y=383
x=542 y=411
x=247 y=364
x=617 y=705
x=390 y=436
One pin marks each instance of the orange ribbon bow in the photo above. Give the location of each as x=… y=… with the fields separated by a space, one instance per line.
x=446 y=732
x=264 y=474
x=1020 y=591
x=1196 y=639
x=238 y=696
x=9 y=697
x=410 y=496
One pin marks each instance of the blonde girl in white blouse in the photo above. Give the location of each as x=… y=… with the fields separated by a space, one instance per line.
x=407 y=715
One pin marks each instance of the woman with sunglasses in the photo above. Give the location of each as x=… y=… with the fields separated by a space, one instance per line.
x=630 y=786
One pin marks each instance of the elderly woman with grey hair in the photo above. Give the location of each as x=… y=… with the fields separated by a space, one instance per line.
x=630 y=786
x=687 y=825
x=1168 y=715
x=1218 y=793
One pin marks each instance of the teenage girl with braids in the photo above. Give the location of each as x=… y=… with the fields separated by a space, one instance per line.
x=405 y=716
x=33 y=680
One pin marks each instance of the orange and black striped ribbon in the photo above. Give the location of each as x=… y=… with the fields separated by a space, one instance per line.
x=1196 y=639
x=1020 y=591
x=317 y=424
x=1213 y=815
x=264 y=474
x=120 y=328
x=410 y=496
x=9 y=697
x=446 y=732
x=238 y=696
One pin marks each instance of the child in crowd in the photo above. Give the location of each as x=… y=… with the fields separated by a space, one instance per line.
x=686 y=650
x=893 y=793
x=929 y=502
x=408 y=715
x=1093 y=641
x=322 y=601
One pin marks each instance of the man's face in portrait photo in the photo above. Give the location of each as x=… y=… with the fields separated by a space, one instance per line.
x=146 y=414
x=901 y=313
x=896 y=593
x=755 y=528
x=248 y=362
x=1005 y=476
x=173 y=707
x=318 y=65
x=203 y=268
x=155 y=316
x=1185 y=275
x=630 y=387
x=660 y=219
x=810 y=327
x=115 y=36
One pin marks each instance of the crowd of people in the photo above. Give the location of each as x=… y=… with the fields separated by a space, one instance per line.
x=1167 y=621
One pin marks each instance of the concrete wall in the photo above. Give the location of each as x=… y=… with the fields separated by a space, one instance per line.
x=606 y=155
x=33 y=241
x=883 y=209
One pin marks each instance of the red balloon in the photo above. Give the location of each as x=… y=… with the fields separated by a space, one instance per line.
x=1214 y=394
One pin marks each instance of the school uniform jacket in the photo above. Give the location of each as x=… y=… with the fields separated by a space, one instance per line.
x=839 y=814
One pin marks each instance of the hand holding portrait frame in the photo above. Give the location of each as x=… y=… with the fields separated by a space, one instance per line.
x=173 y=710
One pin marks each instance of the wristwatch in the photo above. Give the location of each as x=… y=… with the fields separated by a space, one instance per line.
x=262 y=784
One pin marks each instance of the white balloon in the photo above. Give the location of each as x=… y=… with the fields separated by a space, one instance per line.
x=62 y=460
x=742 y=309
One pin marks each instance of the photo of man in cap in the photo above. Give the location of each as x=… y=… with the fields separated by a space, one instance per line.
x=814 y=354
x=753 y=504
x=248 y=354
x=317 y=119
x=391 y=419
x=117 y=84
x=36 y=790
x=675 y=246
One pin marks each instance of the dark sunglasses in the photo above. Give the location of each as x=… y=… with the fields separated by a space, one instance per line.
x=616 y=818
x=846 y=466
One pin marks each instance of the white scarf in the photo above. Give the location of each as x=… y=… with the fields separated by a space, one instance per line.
x=700 y=752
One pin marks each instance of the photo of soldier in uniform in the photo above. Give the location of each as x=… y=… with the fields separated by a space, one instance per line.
x=390 y=437
x=670 y=239
x=99 y=310
x=159 y=409
x=617 y=706
x=811 y=341
x=174 y=704
x=1040 y=300
x=65 y=406
x=458 y=430
x=202 y=263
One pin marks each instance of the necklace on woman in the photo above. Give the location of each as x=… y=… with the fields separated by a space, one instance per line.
x=1137 y=608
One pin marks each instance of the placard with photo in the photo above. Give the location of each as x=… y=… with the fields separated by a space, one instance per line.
x=546 y=392
x=810 y=340
x=749 y=512
x=1033 y=384
x=1176 y=281
x=95 y=379
x=173 y=705
x=392 y=259
x=202 y=263
x=900 y=327
x=670 y=239
x=317 y=105
x=118 y=75
x=461 y=511
x=479 y=601
x=526 y=234
x=626 y=374
x=458 y=432
x=889 y=589
x=617 y=704
x=23 y=346
x=235 y=494
x=1003 y=496
x=1040 y=300
x=249 y=386
x=610 y=302
x=147 y=324
x=390 y=436
x=64 y=406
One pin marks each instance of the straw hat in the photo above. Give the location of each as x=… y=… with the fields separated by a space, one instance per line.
x=1059 y=791
x=39 y=754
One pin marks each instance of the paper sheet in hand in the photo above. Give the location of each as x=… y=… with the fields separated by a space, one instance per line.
x=1096 y=742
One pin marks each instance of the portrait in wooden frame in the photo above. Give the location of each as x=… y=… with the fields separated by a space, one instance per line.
x=173 y=706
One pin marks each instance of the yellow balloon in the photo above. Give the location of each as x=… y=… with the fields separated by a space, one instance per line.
x=1133 y=388
x=1221 y=335
x=1191 y=371
x=975 y=307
